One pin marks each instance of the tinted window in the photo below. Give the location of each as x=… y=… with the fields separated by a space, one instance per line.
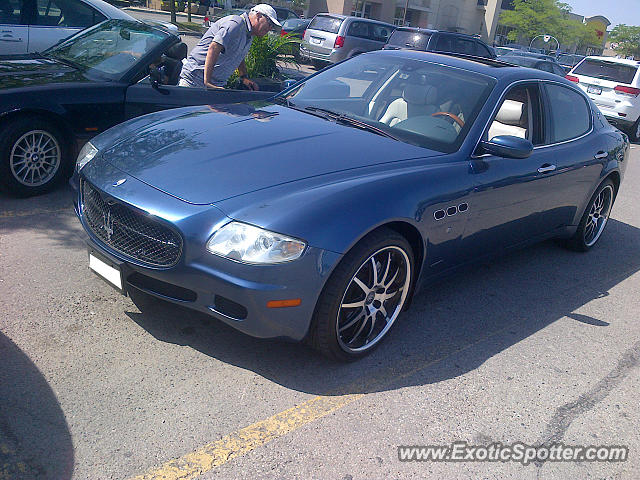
x=293 y=23
x=453 y=43
x=566 y=104
x=379 y=33
x=483 y=51
x=408 y=39
x=66 y=13
x=10 y=12
x=616 y=72
x=359 y=29
x=326 y=24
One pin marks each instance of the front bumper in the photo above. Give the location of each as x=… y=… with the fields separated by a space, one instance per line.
x=233 y=292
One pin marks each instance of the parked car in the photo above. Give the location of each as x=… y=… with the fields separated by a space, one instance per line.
x=538 y=56
x=614 y=86
x=34 y=25
x=331 y=38
x=567 y=60
x=438 y=41
x=415 y=164
x=53 y=102
x=295 y=27
x=533 y=62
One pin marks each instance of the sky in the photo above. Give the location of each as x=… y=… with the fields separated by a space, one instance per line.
x=617 y=11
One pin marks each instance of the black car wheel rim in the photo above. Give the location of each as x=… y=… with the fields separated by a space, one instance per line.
x=35 y=158
x=598 y=216
x=373 y=299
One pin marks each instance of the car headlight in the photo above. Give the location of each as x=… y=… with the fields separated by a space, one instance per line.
x=86 y=155
x=246 y=243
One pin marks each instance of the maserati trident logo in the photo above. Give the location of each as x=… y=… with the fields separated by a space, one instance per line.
x=119 y=182
x=108 y=224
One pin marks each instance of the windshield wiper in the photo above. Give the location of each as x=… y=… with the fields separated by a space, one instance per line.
x=353 y=122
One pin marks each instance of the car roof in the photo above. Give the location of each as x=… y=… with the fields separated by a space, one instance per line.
x=351 y=17
x=486 y=66
x=624 y=61
x=109 y=10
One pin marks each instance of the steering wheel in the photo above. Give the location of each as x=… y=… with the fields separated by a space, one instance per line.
x=452 y=116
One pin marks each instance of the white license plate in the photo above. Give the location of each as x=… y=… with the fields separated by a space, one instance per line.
x=593 y=89
x=316 y=41
x=110 y=273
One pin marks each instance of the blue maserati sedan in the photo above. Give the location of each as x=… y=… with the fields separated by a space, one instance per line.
x=317 y=215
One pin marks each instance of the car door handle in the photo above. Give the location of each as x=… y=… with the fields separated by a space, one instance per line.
x=601 y=155
x=10 y=39
x=546 y=168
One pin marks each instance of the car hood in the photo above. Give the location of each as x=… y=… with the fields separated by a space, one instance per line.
x=207 y=154
x=30 y=72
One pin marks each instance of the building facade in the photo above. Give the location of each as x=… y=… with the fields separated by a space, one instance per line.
x=473 y=17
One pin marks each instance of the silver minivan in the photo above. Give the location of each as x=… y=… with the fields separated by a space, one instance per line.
x=330 y=38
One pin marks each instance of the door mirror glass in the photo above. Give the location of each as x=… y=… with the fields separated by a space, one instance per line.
x=508 y=146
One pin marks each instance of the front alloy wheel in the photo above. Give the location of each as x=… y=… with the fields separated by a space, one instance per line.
x=373 y=299
x=35 y=158
x=363 y=297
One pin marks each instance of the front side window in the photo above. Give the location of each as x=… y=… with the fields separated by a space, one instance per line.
x=417 y=102
x=564 y=103
x=66 y=13
x=518 y=115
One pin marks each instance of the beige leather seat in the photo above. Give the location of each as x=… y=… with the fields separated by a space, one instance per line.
x=512 y=119
x=416 y=100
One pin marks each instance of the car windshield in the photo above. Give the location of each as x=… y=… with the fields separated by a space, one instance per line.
x=615 y=72
x=409 y=39
x=422 y=103
x=110 y=48
x=325 y=23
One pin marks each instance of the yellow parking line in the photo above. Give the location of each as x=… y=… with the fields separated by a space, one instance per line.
x=247 y=439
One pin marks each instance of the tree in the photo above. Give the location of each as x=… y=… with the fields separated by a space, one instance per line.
x=531 y=18
x=627 y=40
x=535 y=17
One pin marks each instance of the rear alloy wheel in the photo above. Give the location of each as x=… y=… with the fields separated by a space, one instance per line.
x=594 y=219
x=364 y=297
x=32 y=153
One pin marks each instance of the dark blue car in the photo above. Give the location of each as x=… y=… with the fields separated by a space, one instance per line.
x=316 y=216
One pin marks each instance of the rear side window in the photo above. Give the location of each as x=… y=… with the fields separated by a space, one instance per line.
x=379 y=33
x=452 y=43
x=483 y=51
x=616 y=72
x=67 y=13
x=407 y=39
x=326 y=24
x=10 y=12
x=359 y=29
x=564 y=103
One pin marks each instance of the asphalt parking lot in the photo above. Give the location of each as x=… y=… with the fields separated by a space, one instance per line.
x=540 y=346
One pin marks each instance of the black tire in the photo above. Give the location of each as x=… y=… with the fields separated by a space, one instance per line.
x=325 y=334
x=634 y=133
x=588 y=233
x=51 y=157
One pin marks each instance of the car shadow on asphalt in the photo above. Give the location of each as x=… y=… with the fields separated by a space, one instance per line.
x=452 y=327
x=35 y=441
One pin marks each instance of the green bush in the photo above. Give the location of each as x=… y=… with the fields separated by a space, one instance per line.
x=263 y=56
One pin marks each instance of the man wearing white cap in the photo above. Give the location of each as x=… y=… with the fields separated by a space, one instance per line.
x=223 y=47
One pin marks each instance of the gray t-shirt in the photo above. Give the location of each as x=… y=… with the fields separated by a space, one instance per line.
x=233 y=32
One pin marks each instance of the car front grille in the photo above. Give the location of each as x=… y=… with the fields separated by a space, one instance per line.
x=128 y=231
